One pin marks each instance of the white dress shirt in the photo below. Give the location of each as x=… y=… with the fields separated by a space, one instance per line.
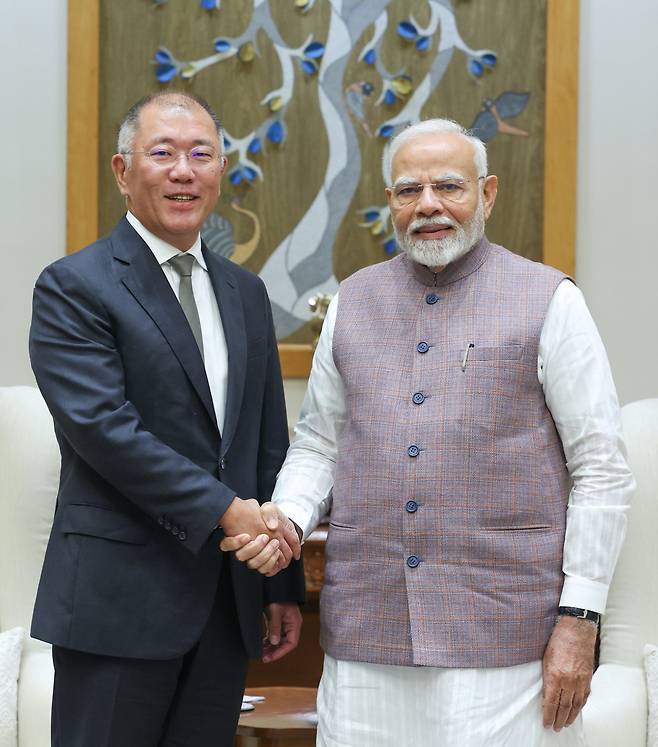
x=215 y=352
x=573 y=369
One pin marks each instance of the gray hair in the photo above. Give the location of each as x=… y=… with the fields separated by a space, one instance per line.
x=181 y=99
x=433 y=126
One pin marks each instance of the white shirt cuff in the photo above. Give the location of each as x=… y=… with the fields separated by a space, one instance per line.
x=583 y=593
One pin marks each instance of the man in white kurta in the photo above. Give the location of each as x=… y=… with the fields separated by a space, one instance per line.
x=440 y=196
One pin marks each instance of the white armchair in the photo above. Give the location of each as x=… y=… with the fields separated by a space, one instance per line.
x=29 y=475
x=616 y=712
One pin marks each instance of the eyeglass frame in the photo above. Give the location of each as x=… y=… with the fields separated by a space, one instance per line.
x=219 y=157
x=423 y=185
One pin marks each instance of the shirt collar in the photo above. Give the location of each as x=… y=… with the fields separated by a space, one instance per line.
x=163 y=251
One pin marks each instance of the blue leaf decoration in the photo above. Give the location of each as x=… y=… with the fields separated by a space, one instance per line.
x=164 y=73
x=370 y=57
x=227 y=143
x=162 y=56
x=407 y=30
x=389 y=97
x=422 y=43
x=235 y=177
x=476 y=67
x=308 y=66
x=314 y=50
x=390 y=246
x=489 y=59
x=371 y=216
x=222 y=45
x=250 y=173
x=254 y=145
x=385 y=131
x=209 y=4
x=275 y=132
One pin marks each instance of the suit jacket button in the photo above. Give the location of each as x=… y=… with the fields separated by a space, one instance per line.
x=413 y=451
x=222 y=463
x=431 y=298
x=413 y=561
x=418 y=398
x=175 y=530
x=167 y=525
x=182 y=535
x=411 y=507
x=422 y=347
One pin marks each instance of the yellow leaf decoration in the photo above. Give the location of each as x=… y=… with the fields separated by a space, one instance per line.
x=376 y=228
x=188 y=71
x=301 y=3
x=276 y=103
x=402 y=86
x=247 y=52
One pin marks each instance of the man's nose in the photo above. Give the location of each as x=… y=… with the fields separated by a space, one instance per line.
x=429 y=203
x=181 y=169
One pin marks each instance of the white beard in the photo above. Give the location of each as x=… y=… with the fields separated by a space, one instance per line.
x=441 y=252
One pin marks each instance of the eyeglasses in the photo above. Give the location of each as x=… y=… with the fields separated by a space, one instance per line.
x=201 y=157
x=447 y=190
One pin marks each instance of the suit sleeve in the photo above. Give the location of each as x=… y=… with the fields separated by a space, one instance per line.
x=80 y=373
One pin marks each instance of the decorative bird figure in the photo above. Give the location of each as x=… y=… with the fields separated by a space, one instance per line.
x=355 y=95
x=491 y=120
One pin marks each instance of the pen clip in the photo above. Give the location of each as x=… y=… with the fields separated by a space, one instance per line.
x=466 y=352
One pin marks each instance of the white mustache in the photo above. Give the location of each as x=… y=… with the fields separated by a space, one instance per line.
x=420 y=222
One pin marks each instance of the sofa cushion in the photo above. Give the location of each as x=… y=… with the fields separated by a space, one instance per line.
x=651 y=668
x=11 y=645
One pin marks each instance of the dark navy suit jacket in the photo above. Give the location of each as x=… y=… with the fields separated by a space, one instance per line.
x=132 y=563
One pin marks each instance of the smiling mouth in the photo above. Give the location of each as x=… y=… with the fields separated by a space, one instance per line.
x=181 y=198
x=432 y=229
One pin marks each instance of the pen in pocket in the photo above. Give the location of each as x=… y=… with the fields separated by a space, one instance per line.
x=466 y=352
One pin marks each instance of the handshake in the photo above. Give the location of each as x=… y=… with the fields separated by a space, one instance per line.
x=261 y=536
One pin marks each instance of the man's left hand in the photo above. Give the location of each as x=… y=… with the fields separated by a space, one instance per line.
x=284 y=624
x=568 y=668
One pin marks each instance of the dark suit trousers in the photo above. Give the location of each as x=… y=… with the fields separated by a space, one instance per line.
x=191 y=701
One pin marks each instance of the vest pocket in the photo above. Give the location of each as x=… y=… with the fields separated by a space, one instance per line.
x=342 y=527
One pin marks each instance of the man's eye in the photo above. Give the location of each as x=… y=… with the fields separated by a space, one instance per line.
x=201 y=155
x=406 y=191
x=448 y=187
x=160 y=153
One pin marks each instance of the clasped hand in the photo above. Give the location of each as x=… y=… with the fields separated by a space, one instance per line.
x=261 y=536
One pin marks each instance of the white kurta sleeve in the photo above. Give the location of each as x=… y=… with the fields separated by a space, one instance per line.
x=303 y=488
x=575 y=374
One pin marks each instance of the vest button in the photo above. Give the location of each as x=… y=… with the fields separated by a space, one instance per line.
x=413 y=561
x=431 y=298
x=422 y=347
x=418 y=398
x=413 y=451
x=411 y=507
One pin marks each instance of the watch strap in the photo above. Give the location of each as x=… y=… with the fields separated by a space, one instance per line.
x=583 y=614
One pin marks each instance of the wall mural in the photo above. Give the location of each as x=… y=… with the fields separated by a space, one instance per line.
x=310 y=93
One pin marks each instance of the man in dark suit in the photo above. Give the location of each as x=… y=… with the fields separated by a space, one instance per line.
x=159 y=364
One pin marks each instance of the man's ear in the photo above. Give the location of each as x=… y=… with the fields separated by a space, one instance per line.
x=119 y=169
x=490 y=191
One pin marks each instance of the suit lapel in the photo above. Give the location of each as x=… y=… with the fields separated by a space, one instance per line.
x=230 y=310
x=143 y=277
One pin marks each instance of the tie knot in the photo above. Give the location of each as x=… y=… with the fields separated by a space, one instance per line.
x=182 y=263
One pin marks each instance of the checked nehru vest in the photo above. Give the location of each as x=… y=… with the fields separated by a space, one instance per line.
x=449 y=503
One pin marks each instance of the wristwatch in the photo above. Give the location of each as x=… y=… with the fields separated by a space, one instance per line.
x=579 y=612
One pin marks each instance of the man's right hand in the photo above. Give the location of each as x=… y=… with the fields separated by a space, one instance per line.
x=266 y=553
x=261 y=536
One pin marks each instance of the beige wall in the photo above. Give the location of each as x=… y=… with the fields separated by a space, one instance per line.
x=617 y=254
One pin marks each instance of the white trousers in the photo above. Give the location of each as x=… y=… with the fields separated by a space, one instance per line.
x=375 y=705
